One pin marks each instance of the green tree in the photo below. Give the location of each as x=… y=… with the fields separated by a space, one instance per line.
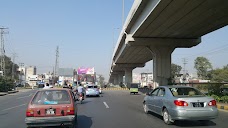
x=203 y=66
x=175 y=70
x=101 y=80
x=220 y=75
x=8 y=68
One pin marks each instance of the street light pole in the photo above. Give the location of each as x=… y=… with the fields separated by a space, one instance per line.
x=123 y=14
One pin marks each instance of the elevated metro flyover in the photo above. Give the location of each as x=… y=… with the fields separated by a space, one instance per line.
x=154 y=28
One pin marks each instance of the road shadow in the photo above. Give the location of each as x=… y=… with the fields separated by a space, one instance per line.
x=187 y=123
x=83 y=102
x=136 y=94
x=84 y=121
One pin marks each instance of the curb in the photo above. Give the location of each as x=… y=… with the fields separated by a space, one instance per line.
x=3 y=94
x=9 y=92
x=223 y=107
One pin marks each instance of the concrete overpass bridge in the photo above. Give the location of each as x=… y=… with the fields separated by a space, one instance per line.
x=154 y=28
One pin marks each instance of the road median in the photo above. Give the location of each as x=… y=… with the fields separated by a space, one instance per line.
x=3 y=93
x=223 y=106
x=115 y=89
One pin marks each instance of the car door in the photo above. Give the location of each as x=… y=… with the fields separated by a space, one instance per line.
x=158 y=101
x=151 y=101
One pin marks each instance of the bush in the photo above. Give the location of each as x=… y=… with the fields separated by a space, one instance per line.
x=217 y=98
x=214 y=89
x=6 y=84
x=224 y=99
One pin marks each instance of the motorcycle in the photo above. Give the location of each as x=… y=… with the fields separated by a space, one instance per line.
x=80 y=98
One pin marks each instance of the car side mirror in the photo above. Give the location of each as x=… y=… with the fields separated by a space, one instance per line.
x=148 y=93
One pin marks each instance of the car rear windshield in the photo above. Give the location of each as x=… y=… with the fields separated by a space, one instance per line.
x=92 y=86
x=185 y=92
x=134 y=85
x=53 y=97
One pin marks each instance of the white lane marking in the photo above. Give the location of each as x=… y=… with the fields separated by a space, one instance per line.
x=24 y=96
x=106 y=105
x=13 y=107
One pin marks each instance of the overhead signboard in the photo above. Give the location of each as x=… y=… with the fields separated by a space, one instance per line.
x=85 y=70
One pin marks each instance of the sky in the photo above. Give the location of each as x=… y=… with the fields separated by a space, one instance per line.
x=86 y=32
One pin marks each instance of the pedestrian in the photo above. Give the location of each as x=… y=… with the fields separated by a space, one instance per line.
x=47 y=86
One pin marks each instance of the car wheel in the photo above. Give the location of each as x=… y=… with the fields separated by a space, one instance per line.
x=145 y=108
x=166 y=117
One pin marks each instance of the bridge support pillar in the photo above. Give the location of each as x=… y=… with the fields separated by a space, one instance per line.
x=128 y=77
x=120 y=78
x=116 y=81
x=161 y=64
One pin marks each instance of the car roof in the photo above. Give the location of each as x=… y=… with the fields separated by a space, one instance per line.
x=92 y=85
x=176 y=86
x=55 y=89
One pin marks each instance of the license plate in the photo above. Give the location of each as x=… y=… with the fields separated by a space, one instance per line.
x=198 y=104
x=50 y=111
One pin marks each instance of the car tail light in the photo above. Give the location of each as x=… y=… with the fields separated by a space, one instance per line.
x=212 y=103
x=180 y=103
x=70 y=111
x=29 y=113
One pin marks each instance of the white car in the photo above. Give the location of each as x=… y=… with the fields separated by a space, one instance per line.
x=92 y=90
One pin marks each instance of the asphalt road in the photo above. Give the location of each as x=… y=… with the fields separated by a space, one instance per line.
x=114 y=109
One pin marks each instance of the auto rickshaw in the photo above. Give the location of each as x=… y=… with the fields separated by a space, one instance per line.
x=134 y=88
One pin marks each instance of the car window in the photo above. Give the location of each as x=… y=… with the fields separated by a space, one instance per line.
x=134 y=86
x=155 y=92
x=185 y=91
x=161 y=92
x=90 y=86
x=51 y=97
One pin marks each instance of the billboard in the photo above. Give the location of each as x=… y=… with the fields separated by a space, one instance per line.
x=85 y=71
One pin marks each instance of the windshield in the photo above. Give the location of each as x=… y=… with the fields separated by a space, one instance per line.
x=51 y=97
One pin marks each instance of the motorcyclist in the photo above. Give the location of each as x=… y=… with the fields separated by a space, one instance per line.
x=80 y=90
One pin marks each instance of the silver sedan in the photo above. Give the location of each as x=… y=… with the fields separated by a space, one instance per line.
x=180 y=103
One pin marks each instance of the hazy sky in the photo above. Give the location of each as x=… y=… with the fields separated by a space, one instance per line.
x=85 y=31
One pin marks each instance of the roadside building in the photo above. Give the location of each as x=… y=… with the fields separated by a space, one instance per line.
x=66 y=76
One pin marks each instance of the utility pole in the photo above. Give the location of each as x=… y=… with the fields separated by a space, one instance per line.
x=184 y=70
x=123 y=14
x=21 y=65
x=56 y=62
x=184 y=62
x=13 y=60
x=2 y=50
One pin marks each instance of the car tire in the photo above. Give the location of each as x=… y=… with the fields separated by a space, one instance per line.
x=166 y=117
x=145 y=108
x=204 y=122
